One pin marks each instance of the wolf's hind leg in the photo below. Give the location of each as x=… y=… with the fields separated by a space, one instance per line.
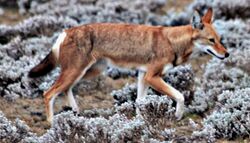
x=91 y=71
x=67 y=79
x=62 y=83
x=72 y=101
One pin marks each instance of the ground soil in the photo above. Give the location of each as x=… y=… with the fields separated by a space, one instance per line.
x=11 y=16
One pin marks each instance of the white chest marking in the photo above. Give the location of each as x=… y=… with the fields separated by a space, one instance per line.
x=56 y=46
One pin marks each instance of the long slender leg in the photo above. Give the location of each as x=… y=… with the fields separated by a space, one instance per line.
x=142 y=87
x=159 y=84
x=49 y=108
x=72 y=101
x=93 y=71
x=63 y=82
x=67 y=79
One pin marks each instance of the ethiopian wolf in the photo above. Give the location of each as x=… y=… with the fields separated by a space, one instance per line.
x=85 y=51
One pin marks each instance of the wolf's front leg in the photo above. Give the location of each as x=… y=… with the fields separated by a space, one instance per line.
x=179 y=98
x=142 y=88
x=160 y=85
x=72 y=101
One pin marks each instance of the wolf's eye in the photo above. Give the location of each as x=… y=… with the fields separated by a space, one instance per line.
x=212 y=40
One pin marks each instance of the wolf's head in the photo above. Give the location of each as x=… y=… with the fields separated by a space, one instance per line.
x=206 y=38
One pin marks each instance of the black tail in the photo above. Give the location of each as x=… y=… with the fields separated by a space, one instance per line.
x=44 y=67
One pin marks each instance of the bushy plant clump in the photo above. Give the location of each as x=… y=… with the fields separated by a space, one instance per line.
x=226 y=10
x=100 y=11
x=34 y=27
x=17 y=58
x=217 y=78
x=68 y=127
x=234 y=33
x=13 y=131
x=231 y=117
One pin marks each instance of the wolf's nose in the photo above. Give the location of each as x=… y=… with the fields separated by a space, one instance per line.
x=227 y=55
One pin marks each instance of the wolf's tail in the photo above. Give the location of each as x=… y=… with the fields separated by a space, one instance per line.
x=44 y=67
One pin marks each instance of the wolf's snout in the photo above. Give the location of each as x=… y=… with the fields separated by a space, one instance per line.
x=227 y=54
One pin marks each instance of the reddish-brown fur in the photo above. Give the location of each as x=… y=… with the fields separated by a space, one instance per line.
x=130 y=46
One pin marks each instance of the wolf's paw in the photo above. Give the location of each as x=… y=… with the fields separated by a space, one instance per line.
x=179 y=110
x=50 y=120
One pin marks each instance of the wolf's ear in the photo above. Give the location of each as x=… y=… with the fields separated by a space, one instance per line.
x=196 y=21
x=207 y=18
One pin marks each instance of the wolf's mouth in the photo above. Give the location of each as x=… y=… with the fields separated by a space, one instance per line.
x=210 y=52
x=203 y=53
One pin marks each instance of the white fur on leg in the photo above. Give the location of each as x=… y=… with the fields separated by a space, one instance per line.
x=70 y=97
x=142 y=89
x=51 y=111
x=179 y=110
x=72 y=101
x=179 y=98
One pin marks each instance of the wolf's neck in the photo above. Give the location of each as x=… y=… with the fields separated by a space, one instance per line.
x=181 y=39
